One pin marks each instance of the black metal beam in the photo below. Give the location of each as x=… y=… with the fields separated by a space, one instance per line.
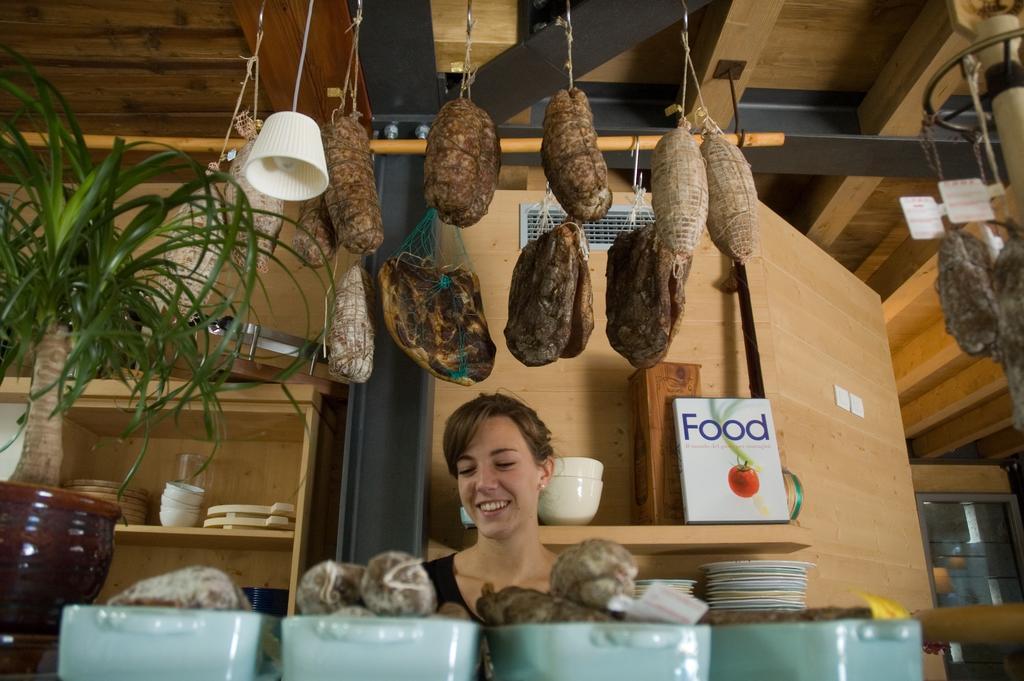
x=534 y=69
x=396 y=48
x=386 y=464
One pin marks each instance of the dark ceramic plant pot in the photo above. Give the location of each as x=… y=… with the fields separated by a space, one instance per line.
x=55 y=549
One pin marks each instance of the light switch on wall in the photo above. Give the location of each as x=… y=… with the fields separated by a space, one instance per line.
x=842 y=398
x=857 y=405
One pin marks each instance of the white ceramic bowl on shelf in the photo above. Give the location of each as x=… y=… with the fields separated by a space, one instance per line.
x=578 y=466
x=166 y=502
x=184 y=493
x=569 y=500
x=173 y=517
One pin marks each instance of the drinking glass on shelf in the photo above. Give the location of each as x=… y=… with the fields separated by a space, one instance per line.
x=190 y=469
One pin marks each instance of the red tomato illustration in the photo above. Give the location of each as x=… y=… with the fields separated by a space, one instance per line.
x=743 y=481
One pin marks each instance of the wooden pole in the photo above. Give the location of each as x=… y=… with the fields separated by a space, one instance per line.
x=753 y=354
x=509 y=145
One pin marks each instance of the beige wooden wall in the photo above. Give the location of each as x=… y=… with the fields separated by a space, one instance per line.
x=817 y=325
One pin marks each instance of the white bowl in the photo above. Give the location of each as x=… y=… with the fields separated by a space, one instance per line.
x=569 y=500
x=578 y=466
x=167 y=502
x=172 y=517
x=184 y=493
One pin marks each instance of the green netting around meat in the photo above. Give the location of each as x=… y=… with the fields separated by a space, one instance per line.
x=436 y=249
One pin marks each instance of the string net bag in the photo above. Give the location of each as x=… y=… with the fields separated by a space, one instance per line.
x=329 y=586
x=351 y=195
x=432 y=306
x=350 y=338
x=463 y=159
x=573 y=165
x=732 y=205
x=315 y=241
x=396 y=584
x=679 y=184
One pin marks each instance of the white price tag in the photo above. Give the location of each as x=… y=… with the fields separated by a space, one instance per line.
x=966 y=201
x=924 y=216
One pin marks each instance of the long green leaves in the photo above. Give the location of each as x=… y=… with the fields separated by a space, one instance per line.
x=82 y=247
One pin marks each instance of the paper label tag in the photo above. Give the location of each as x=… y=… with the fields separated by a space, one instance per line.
x=966 y=201
x=660 y=604
x=923 y=215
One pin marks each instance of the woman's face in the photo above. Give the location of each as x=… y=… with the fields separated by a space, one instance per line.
x=499 y=481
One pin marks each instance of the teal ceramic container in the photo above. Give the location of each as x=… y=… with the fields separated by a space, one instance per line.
x=326 y=648
x=600 y=652
x=119 y=643
x=843 y=650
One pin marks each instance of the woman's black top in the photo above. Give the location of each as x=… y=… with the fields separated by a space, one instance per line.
x=442 y=574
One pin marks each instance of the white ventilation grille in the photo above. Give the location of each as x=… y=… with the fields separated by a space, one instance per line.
x=601 y=234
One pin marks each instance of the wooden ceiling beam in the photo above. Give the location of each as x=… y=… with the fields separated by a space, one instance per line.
x=891 y=107
x=919 y=283
x=1006 y=442
x=907 y=261
x=737 y=30
x=327 y=53
x=972 y=386
x=980 y=422
x=930 y=352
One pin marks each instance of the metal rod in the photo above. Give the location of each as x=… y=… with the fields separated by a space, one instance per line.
x=750 y=348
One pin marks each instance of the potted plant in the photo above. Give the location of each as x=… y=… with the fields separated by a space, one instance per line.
x=92 y=285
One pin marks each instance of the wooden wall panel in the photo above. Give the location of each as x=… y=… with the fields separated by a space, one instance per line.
x=947 y=479
x=817 y=325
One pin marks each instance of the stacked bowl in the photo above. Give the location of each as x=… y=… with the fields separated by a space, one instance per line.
x=573 y=493
x=181 y=504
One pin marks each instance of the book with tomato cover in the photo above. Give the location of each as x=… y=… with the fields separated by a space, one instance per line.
x=729 y=461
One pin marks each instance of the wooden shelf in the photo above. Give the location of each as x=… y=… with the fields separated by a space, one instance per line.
x=203 y=538
x=680 y=539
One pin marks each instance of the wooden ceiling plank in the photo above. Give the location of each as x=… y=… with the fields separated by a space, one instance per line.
x=327 y=53
x=979 y=382
x=890 y=107
x=830 y=204
x=116 y=44
x=1006 y=442
x=166 y=14
x=930 y=352
x=735 y=31
x=139 y=90
x=919 y=283
x=907 y=261
x=980 y=422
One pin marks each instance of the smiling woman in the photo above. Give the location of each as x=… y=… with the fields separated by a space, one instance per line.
x=500 y=453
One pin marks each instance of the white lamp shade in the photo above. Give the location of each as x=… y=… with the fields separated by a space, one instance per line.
x=287 y=161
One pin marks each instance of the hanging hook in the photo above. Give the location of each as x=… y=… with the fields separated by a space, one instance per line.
x=636 y=160
x=259 y=25
x=469 y=17
x=686 y=17
x=568 y=12
x=359 y=6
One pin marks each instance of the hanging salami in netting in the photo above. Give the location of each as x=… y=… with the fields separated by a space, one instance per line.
x=432 y=306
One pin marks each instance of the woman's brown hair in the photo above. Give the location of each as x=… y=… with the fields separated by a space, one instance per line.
x=462 y=425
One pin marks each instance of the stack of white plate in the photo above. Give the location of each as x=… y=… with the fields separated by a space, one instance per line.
x=757 y=584
x=683 y=586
